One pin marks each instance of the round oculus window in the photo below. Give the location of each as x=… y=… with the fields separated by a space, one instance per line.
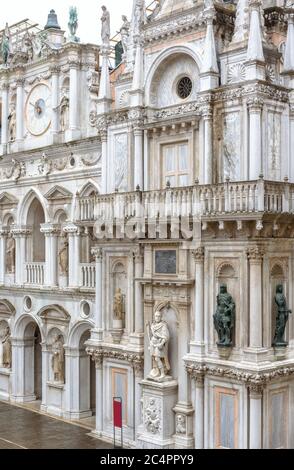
x=184 y=87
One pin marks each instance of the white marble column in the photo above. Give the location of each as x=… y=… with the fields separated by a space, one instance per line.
x=3 y=238
x=104 y=139
x=99 y=394
x=208 y=144
x=199 y=412
x=139 y=375
x=73 y=254
x=291 y=137
x=19 y=108
x=98 y=253
x=4 y=115
x=139 y=309
x=20 y=235
x=255 y=257
x=255 y=105
x=55 y=126
x=197 y=344
x=45 y=368
x=255 y=417
x=51 y=233
x=138 y=159
x=73 y=95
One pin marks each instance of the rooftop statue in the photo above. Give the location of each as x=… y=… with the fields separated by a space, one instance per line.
x=105 y=26
x=73 y=24
x=125 y=34
x=6 y=44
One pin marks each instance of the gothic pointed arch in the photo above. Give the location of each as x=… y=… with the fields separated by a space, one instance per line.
x=25 y=205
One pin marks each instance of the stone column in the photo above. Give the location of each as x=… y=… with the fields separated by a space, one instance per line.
x=291 y=151
x=255 y=105
x=4 y=116
x=55 y=126
x=19 y=108
x=73 y=254
x=255 y=423
x=51 y=233
x=208 y=144
x=199 y=412
x=139 y=309
x=255 y=257
x=98 y=253
x=104 y=139
x=73 y=131
x=138 y=369
x=45 y=365
x=138 y=158
x=20 y=235
x=3 y=237
x=99 y=393
x=197 y=345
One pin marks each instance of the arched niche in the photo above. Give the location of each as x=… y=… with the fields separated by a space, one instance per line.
x=119 y=280
x=278 y=276
x=55 y=346
x=4 y=334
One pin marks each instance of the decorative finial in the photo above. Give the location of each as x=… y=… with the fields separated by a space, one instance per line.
x=52 y=22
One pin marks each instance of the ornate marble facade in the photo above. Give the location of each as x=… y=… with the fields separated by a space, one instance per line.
x=128 y=198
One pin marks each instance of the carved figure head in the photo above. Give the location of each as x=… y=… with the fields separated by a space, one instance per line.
x=279 y=289
x=157 y=316
x=223 y=289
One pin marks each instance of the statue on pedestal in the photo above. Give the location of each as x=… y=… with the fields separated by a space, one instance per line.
x=224 y=317
x=6 y=44
x=10 y=254
x=282 y=317
x=7 y=350
x=73 y=24
x=159 y=339
x=105 y=26
x=125 y=32
x=58 y=359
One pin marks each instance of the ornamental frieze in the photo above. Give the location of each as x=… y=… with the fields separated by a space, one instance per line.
x=98 y=354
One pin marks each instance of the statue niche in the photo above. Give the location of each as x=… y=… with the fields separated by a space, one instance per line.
x=224 y=318
x=63 y=257
x=282 y=317
x=10 y=255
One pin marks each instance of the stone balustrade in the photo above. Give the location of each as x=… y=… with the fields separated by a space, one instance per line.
x=198 y=201
x=88 y=276
x=35 y=273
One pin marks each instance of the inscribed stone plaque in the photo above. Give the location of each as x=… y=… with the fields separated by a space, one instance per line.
x=166 y=262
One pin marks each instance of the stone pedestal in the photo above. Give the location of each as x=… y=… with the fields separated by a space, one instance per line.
x=159 y=400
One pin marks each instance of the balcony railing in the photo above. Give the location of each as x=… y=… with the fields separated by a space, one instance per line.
x=88 y=276
x=35 y=273
x=199 y=200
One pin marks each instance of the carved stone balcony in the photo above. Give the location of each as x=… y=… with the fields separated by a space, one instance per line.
x=245 y=199
x=35 y=273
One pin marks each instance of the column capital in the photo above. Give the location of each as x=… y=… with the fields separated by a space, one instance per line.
x=50 y=229
x=74 y=63
x=96 y=356
x=255 y=254
x=20 y=81
x=98 y=254
x=138 y=254
x=255 y=104
x=71 y=229
x=19 y=231
x=54 y=69
x=256 y=390
x=199 y=255
x=206 y=111
x=5 y=86
x=197 y=373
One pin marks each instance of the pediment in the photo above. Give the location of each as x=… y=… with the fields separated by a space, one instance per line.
x=58 y=193
x=54 y=314
x=7 y=199
x=6 y=309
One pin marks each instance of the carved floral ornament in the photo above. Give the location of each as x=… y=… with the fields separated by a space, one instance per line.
x=255 y=381
x=255 y=253
x=134 y=359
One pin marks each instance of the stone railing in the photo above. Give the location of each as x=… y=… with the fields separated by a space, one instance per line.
x=88 y=275
x=196 y=201
x=35 y=273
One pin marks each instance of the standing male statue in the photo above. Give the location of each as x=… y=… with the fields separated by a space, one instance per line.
x=224 y=317
x=105 y=26
x=73 y=24
x=159 y=338
x=58 y=359
x=10 y=254
x=7 y=350
x=6 y=44
x=282 y=317
x=125 y=32
x=118 y=305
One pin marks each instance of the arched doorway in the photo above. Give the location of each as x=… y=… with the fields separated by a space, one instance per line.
x=87 y=377
x=36 y=217
x=32 y=363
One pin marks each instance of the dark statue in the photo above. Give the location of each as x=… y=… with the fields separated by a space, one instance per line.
x=224 y=317
x=282 y=317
